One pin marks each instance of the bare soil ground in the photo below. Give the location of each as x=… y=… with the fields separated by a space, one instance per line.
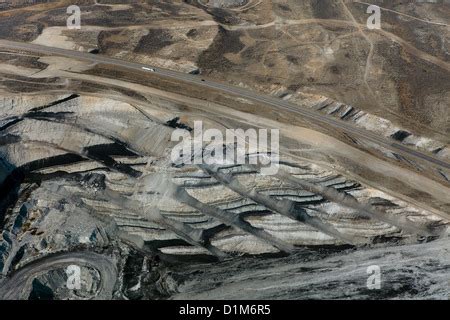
x=400 y=72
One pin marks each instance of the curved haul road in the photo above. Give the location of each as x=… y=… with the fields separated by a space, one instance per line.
x=18 y=285
x=236 y=91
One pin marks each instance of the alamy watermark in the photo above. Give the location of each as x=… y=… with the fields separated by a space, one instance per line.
x=239 y=147
x=73 y=277
x=374 y=21
x=74 y=20
x=374 y=279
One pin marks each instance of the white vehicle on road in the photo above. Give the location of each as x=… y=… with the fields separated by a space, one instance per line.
x=149 y=69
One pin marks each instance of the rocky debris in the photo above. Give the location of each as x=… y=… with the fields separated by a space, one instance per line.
x=105 y=179
x=375 y=124
x=95 y=275
x=407 y=272
x=53 y=285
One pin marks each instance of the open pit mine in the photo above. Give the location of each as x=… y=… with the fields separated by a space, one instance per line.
x=109 y=191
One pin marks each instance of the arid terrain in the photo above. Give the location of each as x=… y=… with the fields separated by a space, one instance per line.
x=87 y=176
